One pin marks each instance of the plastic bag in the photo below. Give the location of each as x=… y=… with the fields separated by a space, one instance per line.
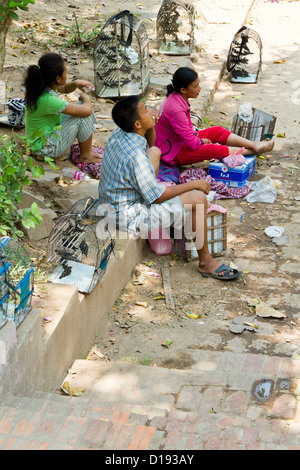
x=265 y=190
x=245 y=112
x=160 y=241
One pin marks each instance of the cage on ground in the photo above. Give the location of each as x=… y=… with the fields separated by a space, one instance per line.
x=244 y=58
x=121 y=57
x=16 y=281
x=79 y=246
x=175 y=26
x=260 y=128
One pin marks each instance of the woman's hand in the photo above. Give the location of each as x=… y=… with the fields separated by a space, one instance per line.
x=206 y=141
x=84 y=85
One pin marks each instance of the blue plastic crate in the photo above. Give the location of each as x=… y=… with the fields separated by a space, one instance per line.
x=236 y=177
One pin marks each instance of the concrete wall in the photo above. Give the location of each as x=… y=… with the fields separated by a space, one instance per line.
x=33 y=357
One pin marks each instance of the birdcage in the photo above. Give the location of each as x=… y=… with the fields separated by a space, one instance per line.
x=16 y=281
x=78 y=251
x=216 y=236
x=260 y=128
x=121 y=57
x=245 y=56
x=175 y=27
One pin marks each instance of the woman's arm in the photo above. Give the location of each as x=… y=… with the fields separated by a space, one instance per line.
x=69 y=87
x=83 y=109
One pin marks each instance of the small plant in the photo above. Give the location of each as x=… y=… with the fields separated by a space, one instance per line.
x=13 y=177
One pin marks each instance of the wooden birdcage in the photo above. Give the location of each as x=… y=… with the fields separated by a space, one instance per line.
x=121 y=57
x=245 y=56
x=77 y=251
x=175 y=27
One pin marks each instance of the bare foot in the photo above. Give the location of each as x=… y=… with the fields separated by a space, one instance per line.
x=265 y=146
x=210 y=266
x=93 y=158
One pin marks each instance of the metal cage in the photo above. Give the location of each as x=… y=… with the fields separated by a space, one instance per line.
x=16 y=281
x=261 y=127
x=121 y=57
x=175 y=26
x=77 y=251
x=244 y=58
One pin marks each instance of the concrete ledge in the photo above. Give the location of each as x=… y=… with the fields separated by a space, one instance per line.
x=37 y=355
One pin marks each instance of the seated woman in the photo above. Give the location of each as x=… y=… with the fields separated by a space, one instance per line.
x=176 y=137
x=52 y=123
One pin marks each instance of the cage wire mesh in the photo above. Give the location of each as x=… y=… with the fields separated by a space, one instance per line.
x=17 y=281
x=260 y=128
x=78 y=251
x=175 y=26
x=11 y=88
x=121 y=57
x=245 y=56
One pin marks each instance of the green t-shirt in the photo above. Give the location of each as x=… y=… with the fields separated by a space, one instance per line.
x=44 y=118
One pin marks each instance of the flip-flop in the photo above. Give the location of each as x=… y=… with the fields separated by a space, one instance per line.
x=226 y=276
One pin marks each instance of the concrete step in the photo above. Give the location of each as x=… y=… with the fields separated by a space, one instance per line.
x=137 y=407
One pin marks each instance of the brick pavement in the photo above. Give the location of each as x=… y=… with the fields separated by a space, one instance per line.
x=204 y=412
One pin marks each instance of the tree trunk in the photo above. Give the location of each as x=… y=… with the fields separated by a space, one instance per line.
x=4 y=27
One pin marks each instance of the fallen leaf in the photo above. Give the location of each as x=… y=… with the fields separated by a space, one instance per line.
x=279 y=61
x=282 y=135
x=264 y=310
x=167 y=343
x=72 y=391
x=142 y=304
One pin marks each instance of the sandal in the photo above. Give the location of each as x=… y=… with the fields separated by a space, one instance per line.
x=226 y=276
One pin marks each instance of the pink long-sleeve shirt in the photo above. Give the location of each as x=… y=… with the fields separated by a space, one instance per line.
x=175 y=128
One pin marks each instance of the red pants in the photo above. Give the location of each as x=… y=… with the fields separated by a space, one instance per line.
x=218 y=149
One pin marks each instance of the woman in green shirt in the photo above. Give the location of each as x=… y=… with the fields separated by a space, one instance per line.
x=52 y=124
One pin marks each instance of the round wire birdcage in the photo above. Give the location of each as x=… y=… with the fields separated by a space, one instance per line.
x=175 y=27
x=244 y=58
x=121 y=57
x=76 y=253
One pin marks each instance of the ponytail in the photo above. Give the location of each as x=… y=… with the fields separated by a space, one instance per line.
x=182 y=78
x=40 y=76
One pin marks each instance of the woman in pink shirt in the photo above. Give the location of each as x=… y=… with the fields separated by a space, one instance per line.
x=176 y=137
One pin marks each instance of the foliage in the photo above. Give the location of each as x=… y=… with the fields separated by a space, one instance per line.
x=11 y=7
x=13 y=177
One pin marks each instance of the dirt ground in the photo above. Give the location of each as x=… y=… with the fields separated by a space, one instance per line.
x=140 y=328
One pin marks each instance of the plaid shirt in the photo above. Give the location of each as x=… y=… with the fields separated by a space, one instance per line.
x=127 y=177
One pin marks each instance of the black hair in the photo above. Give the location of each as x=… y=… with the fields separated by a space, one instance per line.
x=40 y=76
x=125 y=113
x=182 y=78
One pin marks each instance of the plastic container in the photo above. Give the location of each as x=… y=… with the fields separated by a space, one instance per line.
x=236 y=177
x=75 y=174
x=160 y=242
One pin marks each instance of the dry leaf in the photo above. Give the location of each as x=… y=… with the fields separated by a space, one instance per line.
x=264 y=310
x=72 y=391
x=142 y=304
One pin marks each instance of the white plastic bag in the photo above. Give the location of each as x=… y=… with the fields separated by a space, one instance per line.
x=265 y=190
x=245 y=112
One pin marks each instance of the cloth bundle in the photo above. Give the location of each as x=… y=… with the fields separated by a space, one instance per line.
x=16 y=112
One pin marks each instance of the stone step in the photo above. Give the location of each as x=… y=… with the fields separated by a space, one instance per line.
x=137 y=407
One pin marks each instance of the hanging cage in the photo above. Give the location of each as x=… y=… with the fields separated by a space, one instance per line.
x=245 y=56
x=78 y=251
x=121 y=57
x=175 y=28
x=260 y=128
x=16 y=281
